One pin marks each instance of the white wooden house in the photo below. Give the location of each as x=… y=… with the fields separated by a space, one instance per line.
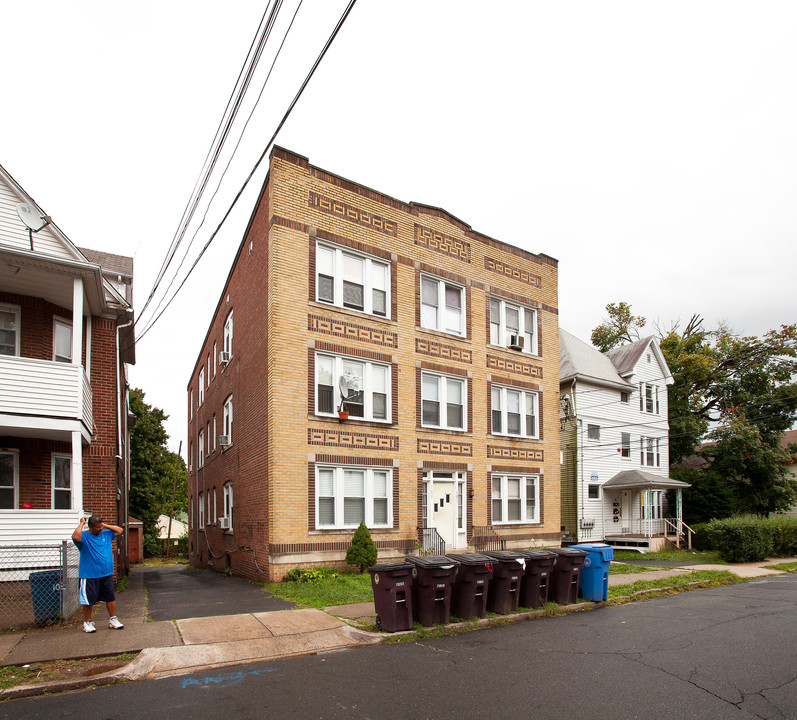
x=615 y=445
x=66 y=339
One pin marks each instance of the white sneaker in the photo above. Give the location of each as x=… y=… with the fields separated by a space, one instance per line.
x=114 y=623
x=88 y=626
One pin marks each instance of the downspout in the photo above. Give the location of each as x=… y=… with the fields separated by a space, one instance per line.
x=580 y=441
x=122 y=463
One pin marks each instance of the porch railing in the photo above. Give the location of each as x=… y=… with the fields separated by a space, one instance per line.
x=678 y=529
x=431 y=541
x=486 y=538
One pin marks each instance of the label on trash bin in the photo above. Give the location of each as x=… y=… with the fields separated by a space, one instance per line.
x=441 y=585
x=401 y=584
x=587 y=561
x=376 y=578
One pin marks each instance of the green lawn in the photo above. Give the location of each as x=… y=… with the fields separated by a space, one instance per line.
x=693 y=556
x=718 y=577
x=618 y=568
x=344 y=589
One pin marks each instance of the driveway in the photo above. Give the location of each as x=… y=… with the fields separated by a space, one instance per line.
x=179 y=592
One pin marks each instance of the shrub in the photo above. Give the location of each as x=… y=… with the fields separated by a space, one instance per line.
x=741 y=539
x=362 y=551
x=783 y=531
x=306 y=575
x=702 y=539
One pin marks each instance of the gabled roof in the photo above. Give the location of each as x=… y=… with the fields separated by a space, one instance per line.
x=116 y=264
x=577 y=360
x=626 y=357
x=644 y=480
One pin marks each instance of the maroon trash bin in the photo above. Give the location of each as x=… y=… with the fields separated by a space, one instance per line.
x=564 y=578
x=432 y=582
x=471 y=585
x=534 y=589
x=392 y=585
x=508 y=572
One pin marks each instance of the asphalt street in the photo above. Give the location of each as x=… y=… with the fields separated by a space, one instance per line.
x=724 y=652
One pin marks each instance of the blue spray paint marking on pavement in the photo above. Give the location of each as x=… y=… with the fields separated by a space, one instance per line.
x=224 y=680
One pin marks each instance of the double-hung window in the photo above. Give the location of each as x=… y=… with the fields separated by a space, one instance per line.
x=513 y=325
x=62 y=482
x=648 y=398
x=348 y=496
x=9 y=330
x=442 y=306
x=227 y=421
x=649 y=452
x=360 y=387
x=201 y=386
x=200 y=458
x=62 y=341
x=9 y=480
x=352 y=280
x=228 y=335
x=514 y=412
x=625 y=445
x=443 y=401
x=228 y=503
x=515 y=498
x=201 y=504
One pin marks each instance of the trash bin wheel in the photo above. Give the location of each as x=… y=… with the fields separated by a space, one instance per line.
x=379 y=623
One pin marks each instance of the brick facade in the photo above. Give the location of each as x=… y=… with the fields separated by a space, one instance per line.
x=278 y=439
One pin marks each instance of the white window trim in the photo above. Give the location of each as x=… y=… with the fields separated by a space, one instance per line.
x=503 y=332
x=15 y=474
x=228 y=333
x=338 y=496
x=191 y=404
x=215 y=358
x=625 y=450
x=591 y=426
x=215 y=436
x=504 y=498
x=200 y=458
x=654 y=398
x=443 y=381
x=643 y=451
x=201 y=506
x=228 y=503
x=368 y=383
x=67 y=324
x=525 y=394
x=52 y=478
x=201 y=383
x=338 y=277
x=440 y=316
x=227 y=420
x=16 y=310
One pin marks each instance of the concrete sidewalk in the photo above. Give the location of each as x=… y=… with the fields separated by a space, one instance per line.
x=193 y=644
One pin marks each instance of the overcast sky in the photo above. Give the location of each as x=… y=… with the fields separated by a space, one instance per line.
x=650 y=147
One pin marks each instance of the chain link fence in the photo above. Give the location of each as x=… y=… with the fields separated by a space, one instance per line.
x=38 y=584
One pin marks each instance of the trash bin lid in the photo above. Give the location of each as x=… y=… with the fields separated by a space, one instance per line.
x=470 y=558
x=538 y=555
x=387 y=567
x=569 y=551
x=506 y=555
x=431 y=561
x=606 y=552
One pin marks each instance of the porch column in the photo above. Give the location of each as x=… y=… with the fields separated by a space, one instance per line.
x=77 y=321
x=77 y=472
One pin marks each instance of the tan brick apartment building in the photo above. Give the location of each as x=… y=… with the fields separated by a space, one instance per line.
x=439 y=342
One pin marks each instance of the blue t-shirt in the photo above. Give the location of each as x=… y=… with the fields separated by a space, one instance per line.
x=96 y=555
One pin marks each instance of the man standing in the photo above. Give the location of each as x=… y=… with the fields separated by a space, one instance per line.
x=96 y=569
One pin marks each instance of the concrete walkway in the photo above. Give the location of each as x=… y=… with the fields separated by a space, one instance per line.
x=193 y=644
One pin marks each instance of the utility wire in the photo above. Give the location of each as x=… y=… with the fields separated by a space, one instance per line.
x=331 y=38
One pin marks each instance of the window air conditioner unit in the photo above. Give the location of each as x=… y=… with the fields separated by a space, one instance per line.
x=224 y=357
x=516 y=342
x=224 y=441
x=224 y=523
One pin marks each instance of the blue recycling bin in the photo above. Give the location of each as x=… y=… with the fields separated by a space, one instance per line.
x=593 y=584
x=45 y=589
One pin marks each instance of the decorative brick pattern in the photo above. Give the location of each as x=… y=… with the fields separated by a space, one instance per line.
x=445 y=447
x=352 y=214
x=513 y=272
x=441 y=351
x=511 y=453
x=352 y=331
x=505 y=364
x=351 y=440
x=445 y=244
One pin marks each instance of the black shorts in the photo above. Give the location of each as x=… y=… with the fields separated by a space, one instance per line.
x=94 y=590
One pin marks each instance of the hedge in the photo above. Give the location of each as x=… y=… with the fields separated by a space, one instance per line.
x=750 y=538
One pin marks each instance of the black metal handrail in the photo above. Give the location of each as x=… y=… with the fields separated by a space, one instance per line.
x=486 y=538
x=431 y=542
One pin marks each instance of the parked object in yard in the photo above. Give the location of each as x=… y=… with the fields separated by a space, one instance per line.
x=392 y=586
x=536 y=580
x=593 y=581
x=508 y=570
x=565 y=575
x=433 y=579
x=472 y=584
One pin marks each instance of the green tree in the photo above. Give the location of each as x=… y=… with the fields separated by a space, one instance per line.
x=362 y=551
x=620 y=327
x=152 y=466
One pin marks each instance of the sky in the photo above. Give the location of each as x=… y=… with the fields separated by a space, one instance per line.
x=649 y=147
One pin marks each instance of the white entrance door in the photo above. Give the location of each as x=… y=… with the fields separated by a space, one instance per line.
x=445 y=507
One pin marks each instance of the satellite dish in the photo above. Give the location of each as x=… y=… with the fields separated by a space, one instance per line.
x=31 y=216
x=343 y=384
